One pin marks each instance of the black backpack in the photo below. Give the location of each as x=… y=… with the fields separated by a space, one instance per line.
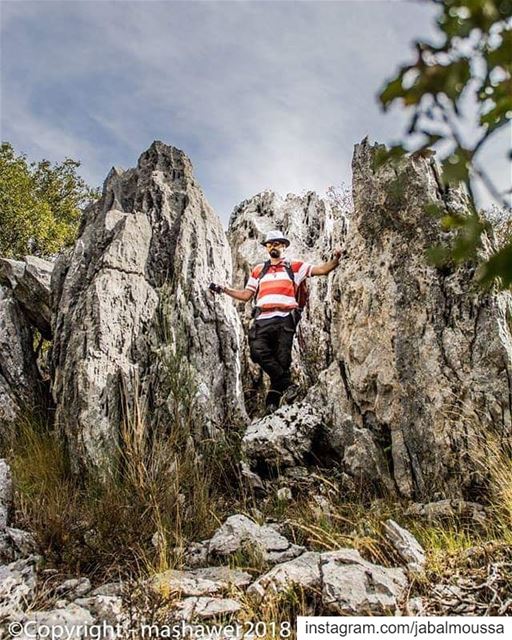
x=301 y=292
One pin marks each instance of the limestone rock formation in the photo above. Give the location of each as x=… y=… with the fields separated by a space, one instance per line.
x=6 y=495
x=414 y=384
x=315 y=226
x=20 y=383
x=30 y=280
x=424 y=358
x=135 y=325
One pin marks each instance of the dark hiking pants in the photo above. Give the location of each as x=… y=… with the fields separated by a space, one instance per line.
x=270 y=342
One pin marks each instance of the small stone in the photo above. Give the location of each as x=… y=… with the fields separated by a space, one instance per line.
x=408 y=548
x=199 y=582
x=204 y=608
x=109 y=589
x=252 y=479
x=107 y=609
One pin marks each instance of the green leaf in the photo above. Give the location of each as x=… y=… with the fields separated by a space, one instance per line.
x=434 y=209
x=498 y=266
x=456 y=166
x=39 y=204
x=438 y=255
x=392 y=91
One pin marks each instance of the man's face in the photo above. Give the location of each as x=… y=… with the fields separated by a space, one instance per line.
x=274 y=248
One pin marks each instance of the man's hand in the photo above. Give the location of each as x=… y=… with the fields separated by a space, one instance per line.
x=339 y=253
x=216 y=288
x=327 y=267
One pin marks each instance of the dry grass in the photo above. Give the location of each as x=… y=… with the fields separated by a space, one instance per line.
x=169 y=490
x=164 y=493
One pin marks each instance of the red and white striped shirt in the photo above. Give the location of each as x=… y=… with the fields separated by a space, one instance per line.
x=276 y=293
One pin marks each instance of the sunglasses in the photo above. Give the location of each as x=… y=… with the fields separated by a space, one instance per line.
x=273 y=244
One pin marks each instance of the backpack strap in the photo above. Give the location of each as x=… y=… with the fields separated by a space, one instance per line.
x=266 y=267
x=291 y=275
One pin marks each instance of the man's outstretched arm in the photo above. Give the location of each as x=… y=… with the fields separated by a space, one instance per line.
x=244 y=295
x=327 y=267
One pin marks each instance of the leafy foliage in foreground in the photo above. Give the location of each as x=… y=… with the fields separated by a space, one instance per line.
x=472 y=65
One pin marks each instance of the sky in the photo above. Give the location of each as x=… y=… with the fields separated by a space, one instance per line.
x=259 y=94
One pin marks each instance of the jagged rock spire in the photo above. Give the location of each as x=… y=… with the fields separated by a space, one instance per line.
x=133 y=296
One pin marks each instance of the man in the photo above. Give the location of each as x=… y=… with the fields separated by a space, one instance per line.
x=271 y=333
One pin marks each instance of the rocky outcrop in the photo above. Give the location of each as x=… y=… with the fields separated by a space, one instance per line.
x=20 y=382
x=415 y=395
x=17 y=586
x=424 y=358
x=315 y=226
x=134 y=321
x=6 y=495
x=241 y=534
x=29 y=279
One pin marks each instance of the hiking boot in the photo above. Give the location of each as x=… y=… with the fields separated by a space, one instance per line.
x=290 y=394
x=272 y=401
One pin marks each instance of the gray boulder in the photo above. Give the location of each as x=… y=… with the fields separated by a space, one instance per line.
x=133 y=314
x=283 y=438
x=29 y=280
x=73 y=588
x=345 y=583
x=240 y=533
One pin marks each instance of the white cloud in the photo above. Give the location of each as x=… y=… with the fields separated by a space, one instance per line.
x=259 y=94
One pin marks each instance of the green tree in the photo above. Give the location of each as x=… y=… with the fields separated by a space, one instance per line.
x=471 y=66
x=40 y=204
